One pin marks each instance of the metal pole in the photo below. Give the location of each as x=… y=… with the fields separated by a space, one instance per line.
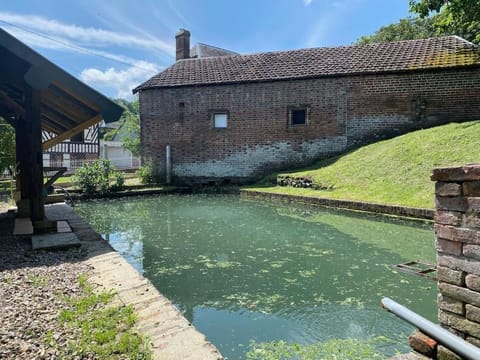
x=443 y=336
x=168 y=164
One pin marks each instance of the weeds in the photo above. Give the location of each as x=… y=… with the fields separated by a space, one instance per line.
x=102 y=331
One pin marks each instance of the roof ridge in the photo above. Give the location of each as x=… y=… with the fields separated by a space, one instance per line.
x=389 y=43
x=403 y=55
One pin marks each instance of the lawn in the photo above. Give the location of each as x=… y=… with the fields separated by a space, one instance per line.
x=395 y=171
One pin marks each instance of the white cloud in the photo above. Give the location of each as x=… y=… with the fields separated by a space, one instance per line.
x=52 y=43
x=307 y=2
x=120 y=81
x=86 y=36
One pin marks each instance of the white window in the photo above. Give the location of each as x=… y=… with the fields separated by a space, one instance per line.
x=220 y=120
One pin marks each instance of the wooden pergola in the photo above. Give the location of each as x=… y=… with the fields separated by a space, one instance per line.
x=36 y=97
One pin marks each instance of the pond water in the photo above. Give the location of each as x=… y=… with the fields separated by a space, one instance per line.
x=243 y=270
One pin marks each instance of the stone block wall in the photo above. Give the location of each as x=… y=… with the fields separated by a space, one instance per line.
x=457 y=229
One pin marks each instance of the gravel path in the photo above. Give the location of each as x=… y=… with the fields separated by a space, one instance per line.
x=32 y=290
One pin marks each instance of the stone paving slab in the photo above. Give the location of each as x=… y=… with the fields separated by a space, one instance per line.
x=171 y=335
x=63 y=227
x=54 y=241
x=23 y=226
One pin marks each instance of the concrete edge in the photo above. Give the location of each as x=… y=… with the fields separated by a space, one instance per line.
x=171 y=335
x=392 y=210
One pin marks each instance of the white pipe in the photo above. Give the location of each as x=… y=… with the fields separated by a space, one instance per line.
x=443 y=336
x=168 y=164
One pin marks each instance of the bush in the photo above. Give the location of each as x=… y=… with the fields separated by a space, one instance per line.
x=119 y=181
x=144 y=174
x=94 y=178
x=149 y=174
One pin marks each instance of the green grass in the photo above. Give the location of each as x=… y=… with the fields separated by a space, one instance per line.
x=395 y=171
x=102 y=330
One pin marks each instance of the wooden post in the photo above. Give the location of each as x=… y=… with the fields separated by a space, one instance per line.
x=21 y=153
x=35 y=164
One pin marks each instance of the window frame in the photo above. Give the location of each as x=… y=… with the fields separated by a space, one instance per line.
x=291 y=110
x=214 y=113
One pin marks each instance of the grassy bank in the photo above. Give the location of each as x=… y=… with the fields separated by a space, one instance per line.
x=395 y=171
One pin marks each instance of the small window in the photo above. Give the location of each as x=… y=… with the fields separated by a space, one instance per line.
x=220 y=120
x=298 y=116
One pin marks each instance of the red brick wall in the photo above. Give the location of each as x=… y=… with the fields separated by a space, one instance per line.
x=343 y=112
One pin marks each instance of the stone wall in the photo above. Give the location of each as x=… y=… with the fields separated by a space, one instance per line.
x=457 y=229
x=343 y=112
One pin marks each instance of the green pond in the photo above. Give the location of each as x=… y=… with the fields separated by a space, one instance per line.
x=243 y=270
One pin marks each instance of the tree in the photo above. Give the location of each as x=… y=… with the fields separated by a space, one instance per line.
x=129 y=130
x=461 y=17
x=7 y=147
x=405 y=29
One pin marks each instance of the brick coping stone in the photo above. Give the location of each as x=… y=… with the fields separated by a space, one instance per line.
x=171 y=335
x=395 y=210
x=460 y=173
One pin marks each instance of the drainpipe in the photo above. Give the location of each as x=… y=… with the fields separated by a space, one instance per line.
x=168 y=164
x=444 y=337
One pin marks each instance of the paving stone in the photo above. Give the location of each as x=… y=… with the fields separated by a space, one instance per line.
x=63 y=227
x=55 y=241
x=23 y=226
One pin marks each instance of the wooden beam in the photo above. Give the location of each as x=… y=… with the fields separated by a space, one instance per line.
x=63 y=101
x=87 y=103
x=49 y=120
x=59 y=118
x=69 y=133
x=51 y=126
x=12 y=105
x=7 y=115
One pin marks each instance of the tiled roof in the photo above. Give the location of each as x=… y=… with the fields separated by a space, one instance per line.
x=441 y=52
x=203 y=50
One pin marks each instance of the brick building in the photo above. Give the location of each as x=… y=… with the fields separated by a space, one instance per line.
x=235 y=117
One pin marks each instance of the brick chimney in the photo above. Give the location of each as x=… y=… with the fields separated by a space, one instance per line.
x=183 y=44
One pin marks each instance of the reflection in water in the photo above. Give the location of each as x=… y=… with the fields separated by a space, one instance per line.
x=242 y=270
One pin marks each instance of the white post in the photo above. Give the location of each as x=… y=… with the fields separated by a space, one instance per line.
x=168 y=164
x=46 y=160
x=66 y=161
x=105 y=151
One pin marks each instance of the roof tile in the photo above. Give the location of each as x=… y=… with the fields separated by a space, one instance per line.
x=432 y=53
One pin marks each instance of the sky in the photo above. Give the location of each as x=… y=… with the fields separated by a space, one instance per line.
x=115 y=45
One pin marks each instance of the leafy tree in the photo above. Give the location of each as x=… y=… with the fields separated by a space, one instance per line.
x=461 y=17
x=129 y=130
x=7 y=147
x=405 y=29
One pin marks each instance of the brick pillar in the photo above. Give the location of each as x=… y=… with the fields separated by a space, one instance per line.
x=457 y=230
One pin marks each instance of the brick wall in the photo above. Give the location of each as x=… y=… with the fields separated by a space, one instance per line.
x=457 y=228
x=343 y=113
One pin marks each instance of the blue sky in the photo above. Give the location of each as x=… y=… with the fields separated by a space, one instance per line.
x=114 y=45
